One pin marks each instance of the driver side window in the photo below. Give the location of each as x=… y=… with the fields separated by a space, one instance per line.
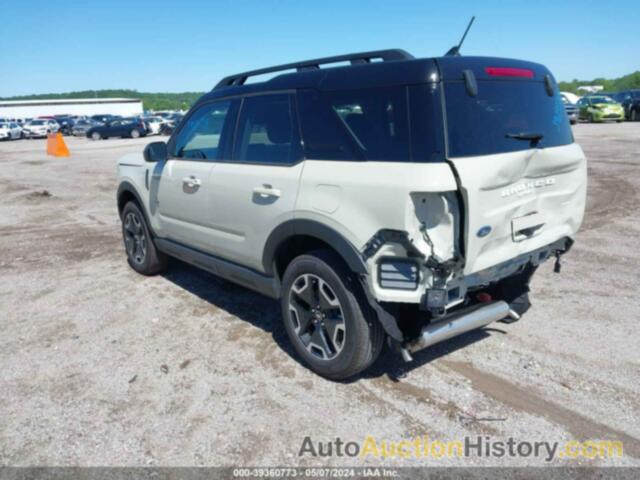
x=199 y=138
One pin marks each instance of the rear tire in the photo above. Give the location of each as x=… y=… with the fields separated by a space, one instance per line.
x=633 y=115
x=135 y=133
x=338 y=337
x=142 y=254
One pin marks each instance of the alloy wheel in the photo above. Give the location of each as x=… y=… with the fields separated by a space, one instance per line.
x=317 y=316
x=135 y=239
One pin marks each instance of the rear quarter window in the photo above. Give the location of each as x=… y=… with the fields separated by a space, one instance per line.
x=388 y=124
x=481 y=124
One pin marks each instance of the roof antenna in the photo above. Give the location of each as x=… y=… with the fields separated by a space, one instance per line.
x=455 y=51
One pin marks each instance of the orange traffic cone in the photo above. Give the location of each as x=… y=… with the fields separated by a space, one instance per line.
x=56 y=145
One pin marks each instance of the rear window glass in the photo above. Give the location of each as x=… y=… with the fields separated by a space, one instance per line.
x=486 y=124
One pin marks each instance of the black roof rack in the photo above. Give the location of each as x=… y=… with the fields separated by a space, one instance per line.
x=354 y=58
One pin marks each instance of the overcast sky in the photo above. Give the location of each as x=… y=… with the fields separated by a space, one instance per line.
x=158 y=46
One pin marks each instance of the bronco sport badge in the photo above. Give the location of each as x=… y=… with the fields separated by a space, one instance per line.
x=527 y=187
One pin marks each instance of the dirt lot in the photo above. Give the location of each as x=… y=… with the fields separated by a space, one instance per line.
x=101 y=366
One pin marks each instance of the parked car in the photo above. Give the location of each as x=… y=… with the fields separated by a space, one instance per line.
x=630 y=100
x=571 y=109
x=599 y=108
x=164 y=114
x=169 y=126
x=104 y=118
x=66 y=123
x=10 y=131
x=333 y=190
x=81 y=126
x=154 y=124
x=572 y=97
x=40 y=128
x=124 y=127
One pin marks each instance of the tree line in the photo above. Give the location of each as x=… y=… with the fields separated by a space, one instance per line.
x=626 y=82
x=184 y=100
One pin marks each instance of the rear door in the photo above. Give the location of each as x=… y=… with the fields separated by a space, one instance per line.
x=522 y=178
x=255 y=184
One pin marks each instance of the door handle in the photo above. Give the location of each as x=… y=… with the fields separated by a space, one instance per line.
x=191 y=181
x=267 y=191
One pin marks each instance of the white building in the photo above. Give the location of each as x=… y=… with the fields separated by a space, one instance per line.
x=590 y=88
x=126 y=107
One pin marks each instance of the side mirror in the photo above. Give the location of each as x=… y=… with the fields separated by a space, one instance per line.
x=156 y=152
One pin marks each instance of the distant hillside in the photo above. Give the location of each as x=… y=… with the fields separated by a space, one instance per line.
x=622 y=83
x=182 y=101
x=151 y=101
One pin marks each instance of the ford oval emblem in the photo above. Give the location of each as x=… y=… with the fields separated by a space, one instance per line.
x=484 y=231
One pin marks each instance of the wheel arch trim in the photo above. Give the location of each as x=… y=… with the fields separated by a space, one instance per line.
x=128 y=187
x=310 y=228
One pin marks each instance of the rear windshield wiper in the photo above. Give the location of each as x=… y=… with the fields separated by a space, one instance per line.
x=531 y=137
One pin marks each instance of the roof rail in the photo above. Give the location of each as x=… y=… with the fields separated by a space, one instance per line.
x=354 y=58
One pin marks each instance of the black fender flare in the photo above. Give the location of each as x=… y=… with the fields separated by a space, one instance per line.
x=349 y=253
x=311 y=228
x=127 y=187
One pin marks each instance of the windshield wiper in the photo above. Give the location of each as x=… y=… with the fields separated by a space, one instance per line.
x=531 y=137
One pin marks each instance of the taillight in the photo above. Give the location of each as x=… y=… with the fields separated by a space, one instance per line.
x=509 y=72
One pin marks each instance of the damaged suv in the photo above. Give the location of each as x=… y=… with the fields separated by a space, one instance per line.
x=389 y=198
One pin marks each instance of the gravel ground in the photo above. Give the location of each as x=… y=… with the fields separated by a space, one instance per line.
x=101 y=366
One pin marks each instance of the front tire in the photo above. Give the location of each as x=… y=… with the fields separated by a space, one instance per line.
x=96 y=136
x=327 y=317
x=633 y=115
x=142 y=254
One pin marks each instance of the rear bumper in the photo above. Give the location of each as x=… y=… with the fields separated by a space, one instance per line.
x=456 y=290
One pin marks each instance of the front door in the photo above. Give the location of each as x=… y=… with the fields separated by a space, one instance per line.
x=183 y=183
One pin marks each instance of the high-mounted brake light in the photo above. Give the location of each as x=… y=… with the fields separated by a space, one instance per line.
x=509 y=72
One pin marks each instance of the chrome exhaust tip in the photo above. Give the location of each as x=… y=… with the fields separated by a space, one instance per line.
x=459 y=323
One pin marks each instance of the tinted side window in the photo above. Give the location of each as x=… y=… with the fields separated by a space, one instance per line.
x=377 y=120
x=200 y=136
x=266 y=131
x=427 y=129
x=363 y=124
x=324 y=136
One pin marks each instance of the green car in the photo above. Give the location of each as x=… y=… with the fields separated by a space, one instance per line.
x=599 y=108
